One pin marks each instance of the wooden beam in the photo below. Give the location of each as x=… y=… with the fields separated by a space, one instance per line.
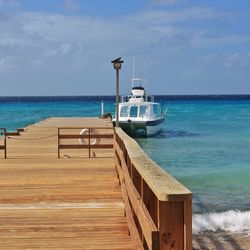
x=94 y=127
x=85 y=136
x=12 y=133
x=79 y=146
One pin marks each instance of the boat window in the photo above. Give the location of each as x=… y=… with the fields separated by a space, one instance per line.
x=157 y=110
x=124 y=111
x=133 y=111
x=143 y=111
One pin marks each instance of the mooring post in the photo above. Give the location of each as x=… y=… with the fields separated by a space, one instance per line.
x=102 y=107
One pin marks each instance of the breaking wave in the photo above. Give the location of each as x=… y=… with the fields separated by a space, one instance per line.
x=232 y=220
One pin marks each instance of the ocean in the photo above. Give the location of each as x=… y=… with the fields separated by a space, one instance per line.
x=205 y=144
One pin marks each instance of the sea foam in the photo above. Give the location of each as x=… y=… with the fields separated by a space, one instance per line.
x=232 y=220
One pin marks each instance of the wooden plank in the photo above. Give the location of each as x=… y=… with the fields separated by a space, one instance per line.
x=12 y=133
x=71 y=146
x=79 y=146
x=2 y=147
x=68 y=136
x=83 y=127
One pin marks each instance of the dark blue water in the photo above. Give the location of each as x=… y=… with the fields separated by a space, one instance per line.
x=205 y=143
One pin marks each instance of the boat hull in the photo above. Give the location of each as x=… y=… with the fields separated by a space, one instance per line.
x=142 y=128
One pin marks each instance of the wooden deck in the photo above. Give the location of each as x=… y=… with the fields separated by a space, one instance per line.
x=57 y=192
x=66 y=203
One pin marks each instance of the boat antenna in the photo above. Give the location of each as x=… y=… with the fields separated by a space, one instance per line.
x=133 y=72
x=133 y=67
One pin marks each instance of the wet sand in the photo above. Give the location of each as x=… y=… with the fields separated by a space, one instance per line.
x=221 y=240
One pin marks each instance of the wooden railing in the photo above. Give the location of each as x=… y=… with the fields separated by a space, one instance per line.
x=4 y=145
x=92 y=138
x=158 y=208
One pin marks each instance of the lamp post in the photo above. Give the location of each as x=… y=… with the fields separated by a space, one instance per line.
x=117 y=63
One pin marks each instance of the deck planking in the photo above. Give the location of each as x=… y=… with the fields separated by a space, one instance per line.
x=66 y=203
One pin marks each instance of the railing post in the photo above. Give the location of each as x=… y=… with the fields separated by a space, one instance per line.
x=58 y=143
x=150 y=201
x=5 y=144
x=89 y=142
x=175 y=224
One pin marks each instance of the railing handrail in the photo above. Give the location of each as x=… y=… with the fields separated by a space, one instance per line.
x=165 y=187
x=134 y=204
x=161 y=206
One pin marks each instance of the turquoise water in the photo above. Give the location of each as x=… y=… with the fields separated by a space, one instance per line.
x=18 y=112
x=205 y=144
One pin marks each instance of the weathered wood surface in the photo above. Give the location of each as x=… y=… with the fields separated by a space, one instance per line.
x=164 y=186
x=67 y=203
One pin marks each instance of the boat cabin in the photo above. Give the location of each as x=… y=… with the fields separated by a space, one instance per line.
x=140 y=111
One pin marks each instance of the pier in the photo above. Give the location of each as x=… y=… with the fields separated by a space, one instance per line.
x=63 y=189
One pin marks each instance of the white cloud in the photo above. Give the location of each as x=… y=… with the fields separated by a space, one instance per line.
x=71 y=5
x=51 y=35
x=167 y=2
x=208 y=39
x=152 y=17
x=6 y=64
x=10 y=3
x=235 y=60
x=61 y=48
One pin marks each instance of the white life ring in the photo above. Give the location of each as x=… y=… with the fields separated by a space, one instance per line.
x=92 y=141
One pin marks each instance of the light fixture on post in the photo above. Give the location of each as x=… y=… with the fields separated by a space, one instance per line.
x=117 y=63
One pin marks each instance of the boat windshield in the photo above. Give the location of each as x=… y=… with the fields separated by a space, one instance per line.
x=157 y=110
x=124 y=111
x=133 y=111
x=143 y=111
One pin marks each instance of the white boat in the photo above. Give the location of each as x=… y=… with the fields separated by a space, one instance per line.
x=139 y=115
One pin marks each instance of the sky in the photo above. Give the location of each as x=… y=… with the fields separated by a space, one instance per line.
x=182 y=47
